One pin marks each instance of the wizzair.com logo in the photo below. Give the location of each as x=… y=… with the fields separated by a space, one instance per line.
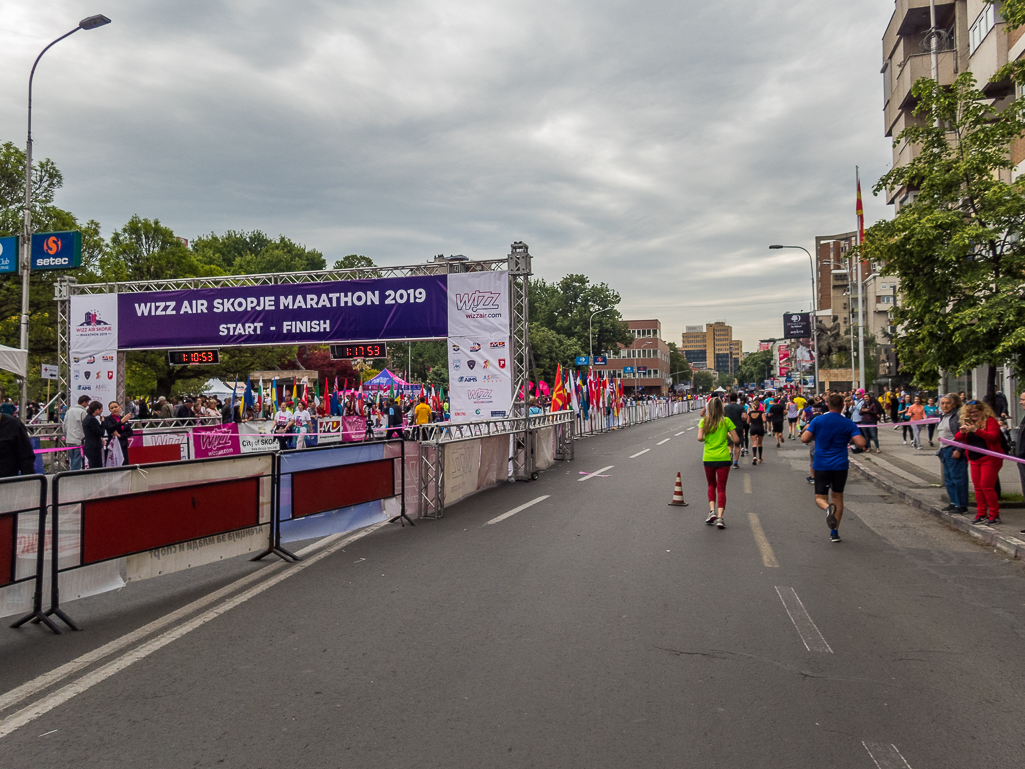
x=480 y=304
x=479 y=394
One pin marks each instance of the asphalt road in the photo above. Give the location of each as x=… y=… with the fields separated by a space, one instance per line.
x=598 y=627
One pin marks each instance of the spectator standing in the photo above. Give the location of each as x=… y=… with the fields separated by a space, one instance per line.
x=166 y=411
x=979 y=428
x=16 y=454
x=73 y=434
x=92 y=431
x=916 y=411
x=952 y=460
x=894 y=403
x=116 y=425
x=7 y=407
x=421 y=416
x=931 y=412
x=870 y=413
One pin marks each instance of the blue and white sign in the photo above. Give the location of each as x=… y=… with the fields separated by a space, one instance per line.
x=9 y=254
x=628 y=369
x=56 y=250
x=583 y=360
x=600 y=360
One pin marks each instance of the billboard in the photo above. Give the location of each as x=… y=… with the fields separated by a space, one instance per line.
x=56 y=250
x=797 y=325
x=9 y=254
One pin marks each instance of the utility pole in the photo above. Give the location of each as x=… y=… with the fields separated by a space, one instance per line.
x=861 y=299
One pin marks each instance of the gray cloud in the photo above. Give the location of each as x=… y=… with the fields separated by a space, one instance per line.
x=658 y=146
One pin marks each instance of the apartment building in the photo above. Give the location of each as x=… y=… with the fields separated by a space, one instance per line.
x=712 y=347
x=969 y=36
x=644 y=363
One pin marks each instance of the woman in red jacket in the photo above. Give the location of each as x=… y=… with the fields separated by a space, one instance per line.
x=979 y=427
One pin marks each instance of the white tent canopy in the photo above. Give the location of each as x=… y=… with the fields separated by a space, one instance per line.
x=719 y=389
x=14 y=360
x=217 y=388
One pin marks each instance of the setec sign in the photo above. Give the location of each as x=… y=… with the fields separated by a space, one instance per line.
x=9 y=254
x=56 y=250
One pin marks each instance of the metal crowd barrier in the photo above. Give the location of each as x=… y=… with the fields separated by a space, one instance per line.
x=22 y=497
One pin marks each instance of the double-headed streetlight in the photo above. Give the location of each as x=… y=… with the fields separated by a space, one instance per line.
x=91 y=22
x=815 y=312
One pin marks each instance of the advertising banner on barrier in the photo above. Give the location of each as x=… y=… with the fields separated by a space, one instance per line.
x=146 y=438
x=479 y=364
x=215 y=441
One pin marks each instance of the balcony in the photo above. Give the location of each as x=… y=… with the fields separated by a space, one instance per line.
x=915 y=67
x=911 y=17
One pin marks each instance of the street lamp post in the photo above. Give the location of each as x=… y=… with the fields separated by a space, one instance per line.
x=590 y=344
x=815 y=311
x=91 y=22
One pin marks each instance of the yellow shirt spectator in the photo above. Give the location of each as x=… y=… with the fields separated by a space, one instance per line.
x=422 y=414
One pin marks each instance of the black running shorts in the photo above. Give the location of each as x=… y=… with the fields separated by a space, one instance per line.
x=830 y=479
x=777 y=427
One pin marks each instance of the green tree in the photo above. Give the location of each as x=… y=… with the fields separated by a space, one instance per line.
x=756 y=367
x=704 y=381
x=352 y=261
x=957 y=248
x=254 y=253
x=550 y=349
x=46 y=217
x=679 y=367
x=1012 y=11
x=566 y=307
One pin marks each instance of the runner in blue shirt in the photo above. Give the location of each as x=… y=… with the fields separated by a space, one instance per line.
x=832 y=433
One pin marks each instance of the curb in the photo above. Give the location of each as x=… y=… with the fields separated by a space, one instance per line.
x=1005 y=543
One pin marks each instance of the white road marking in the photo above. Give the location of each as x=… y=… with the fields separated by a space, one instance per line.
x=747 y=484
x=665 y=441
x=596 y=472
x=680 y=433
x=519 y=509
x=692 y=427
x=810 y=635
x=281 y=572
x=634 y=456
x=27 y=689
x=886 y=756
x=768 y=557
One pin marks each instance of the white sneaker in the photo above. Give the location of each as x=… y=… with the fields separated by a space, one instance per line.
x=711 y=519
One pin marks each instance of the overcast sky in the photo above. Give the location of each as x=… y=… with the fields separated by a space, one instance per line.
x=658 y=146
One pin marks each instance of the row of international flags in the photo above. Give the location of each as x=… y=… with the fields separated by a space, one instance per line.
x=338 y=398
x=593 y=390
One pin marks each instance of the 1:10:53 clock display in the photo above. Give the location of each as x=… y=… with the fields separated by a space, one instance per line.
x=193 y=357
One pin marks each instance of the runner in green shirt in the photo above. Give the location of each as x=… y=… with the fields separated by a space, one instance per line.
x=713 y=431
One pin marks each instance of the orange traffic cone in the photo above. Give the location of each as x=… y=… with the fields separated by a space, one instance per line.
x=678 y=493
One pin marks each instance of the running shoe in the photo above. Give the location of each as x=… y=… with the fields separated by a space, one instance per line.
x=809 y=479
x=960 y=510
x=754 y=461
x=834 y=536
x=711 y=519
x=720 y=523
x=994 y=521
x=949 y=508
x=831 y=521
x=736 y=465
x=979 y=520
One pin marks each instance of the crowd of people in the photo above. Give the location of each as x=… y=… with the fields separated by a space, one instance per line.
x=734 y=425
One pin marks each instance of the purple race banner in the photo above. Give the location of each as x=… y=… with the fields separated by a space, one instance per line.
x=308 y=313
x=215 y=441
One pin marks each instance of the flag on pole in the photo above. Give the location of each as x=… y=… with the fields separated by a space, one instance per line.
x=294 y=382
x=574 y=402
x=559 y=394
x=248 y=399
x=259 y=401
x=233 y=391
x=860 y=209
x=316 y=392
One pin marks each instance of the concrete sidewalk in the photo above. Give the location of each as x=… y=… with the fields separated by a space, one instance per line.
x=915 y=476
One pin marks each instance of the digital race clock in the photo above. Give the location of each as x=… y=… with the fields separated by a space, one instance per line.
x=359 y=350
x=193 y=357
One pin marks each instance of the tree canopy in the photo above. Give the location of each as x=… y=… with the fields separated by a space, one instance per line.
x=957 y=246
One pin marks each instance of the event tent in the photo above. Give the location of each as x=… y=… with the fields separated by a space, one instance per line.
x=387 y=379
x=14 y=360
x=216 y=387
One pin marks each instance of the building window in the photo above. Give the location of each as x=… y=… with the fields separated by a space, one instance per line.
x=982 y=26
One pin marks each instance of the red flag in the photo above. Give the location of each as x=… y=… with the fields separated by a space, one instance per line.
x=860 y=210
x=559 y=392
